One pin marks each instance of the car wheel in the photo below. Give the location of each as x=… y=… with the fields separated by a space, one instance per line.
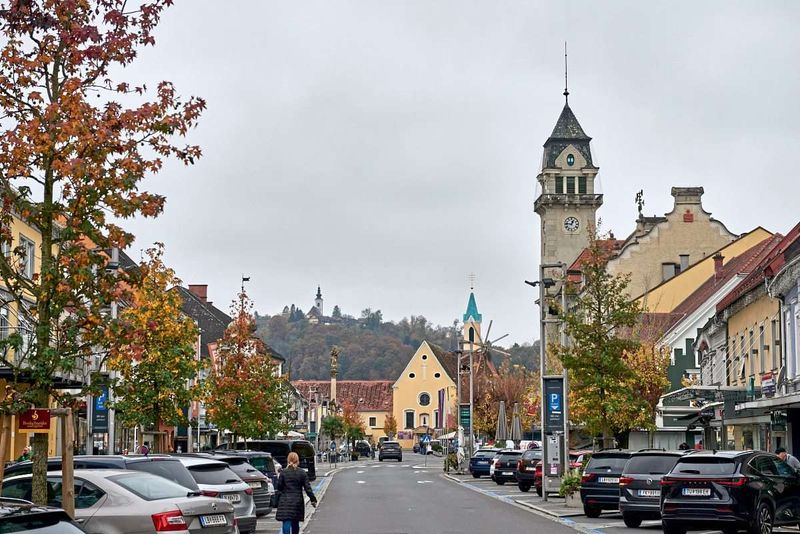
x=499 y=482
x=730 y=530
x=526 y=487
x=632 y=521
x=475 y=475
x=539 y=491
x=672 y=528
x=762 y=523
x=380 y=459
x=591 y=511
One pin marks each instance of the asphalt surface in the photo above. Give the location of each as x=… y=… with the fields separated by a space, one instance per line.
x=407 y=497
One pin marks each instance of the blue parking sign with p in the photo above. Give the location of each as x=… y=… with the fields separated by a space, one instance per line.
x=555 y=402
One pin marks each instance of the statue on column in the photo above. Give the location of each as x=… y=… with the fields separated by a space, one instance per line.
x=334 y=362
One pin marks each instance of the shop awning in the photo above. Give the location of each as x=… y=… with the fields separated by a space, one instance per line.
x=778 y=401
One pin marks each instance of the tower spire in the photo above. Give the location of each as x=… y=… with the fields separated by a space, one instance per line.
x=566 y=72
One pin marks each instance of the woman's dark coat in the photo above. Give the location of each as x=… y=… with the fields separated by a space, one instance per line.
x=291 y=484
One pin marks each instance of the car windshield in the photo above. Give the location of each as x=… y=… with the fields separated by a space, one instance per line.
x=510 y=455
x=532 y=455
x=262 y=463
x=388 y=445
x=705 y=466
x=214 y=474
x=38 y=524
x=606 y=463
x=650 y=464
x=170 y=469
x=149 y=487
x=485 y=454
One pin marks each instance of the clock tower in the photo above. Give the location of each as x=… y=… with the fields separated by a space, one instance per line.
x=567 y=203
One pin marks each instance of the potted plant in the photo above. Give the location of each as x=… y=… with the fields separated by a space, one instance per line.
x=570 y=485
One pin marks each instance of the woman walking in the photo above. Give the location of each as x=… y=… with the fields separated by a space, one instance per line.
x=291 y=504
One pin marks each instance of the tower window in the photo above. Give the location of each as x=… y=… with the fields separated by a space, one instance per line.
x=582 y=185
x=559 y=185
x=570 y=185
x=570 y=160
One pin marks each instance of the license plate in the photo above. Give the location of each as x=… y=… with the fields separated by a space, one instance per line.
x=608 y=480
x=483 y=463
x=697 y=492
x=507 y=473
x=213 y=520
x=255 y=485
x=232 y=497
x=649 y=493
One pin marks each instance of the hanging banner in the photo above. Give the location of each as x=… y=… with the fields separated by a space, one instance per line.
x=100 y=412
x=554 y=404
x=34 y=421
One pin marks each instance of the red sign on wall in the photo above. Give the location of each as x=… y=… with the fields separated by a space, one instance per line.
x=35 y=420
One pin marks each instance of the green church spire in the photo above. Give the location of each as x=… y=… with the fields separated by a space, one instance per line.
x=472 y=310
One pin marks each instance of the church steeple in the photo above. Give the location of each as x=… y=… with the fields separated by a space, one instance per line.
x=318 y=301
x=472 y=320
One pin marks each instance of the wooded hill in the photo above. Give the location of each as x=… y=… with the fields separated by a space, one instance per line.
x=371 y=349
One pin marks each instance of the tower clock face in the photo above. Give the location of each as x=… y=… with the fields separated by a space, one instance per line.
x=571 y=224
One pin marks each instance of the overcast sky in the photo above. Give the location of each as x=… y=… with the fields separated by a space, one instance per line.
x=385 y=150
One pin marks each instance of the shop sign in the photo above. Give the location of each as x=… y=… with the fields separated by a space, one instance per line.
x=36 y=420
x=768 y=384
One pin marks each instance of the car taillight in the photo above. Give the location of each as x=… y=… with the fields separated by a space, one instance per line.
x=169 y=521
x=733 y=482
x=249 y=491
x=624 y=481
x=666 y=481
x=588 y=477
x=209 y=493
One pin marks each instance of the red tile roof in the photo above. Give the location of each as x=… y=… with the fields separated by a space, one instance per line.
x=757 y=275
x=363 y=395
x=610 y=246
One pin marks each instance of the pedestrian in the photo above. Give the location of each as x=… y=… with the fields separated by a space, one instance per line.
x=26 y=454
x=291 y=504
x=683 y=446
x=145 y=448
x=790 y=460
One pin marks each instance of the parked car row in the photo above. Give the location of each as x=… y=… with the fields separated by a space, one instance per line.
x=217 y=492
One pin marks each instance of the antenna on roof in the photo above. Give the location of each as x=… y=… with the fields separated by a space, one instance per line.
x=566 y=71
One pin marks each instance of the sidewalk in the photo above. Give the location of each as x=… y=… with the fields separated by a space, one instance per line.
x=555 y=506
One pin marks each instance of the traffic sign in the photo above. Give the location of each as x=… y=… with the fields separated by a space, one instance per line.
x=425 y=438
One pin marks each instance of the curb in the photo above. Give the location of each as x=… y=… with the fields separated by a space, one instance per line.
x=536 y=510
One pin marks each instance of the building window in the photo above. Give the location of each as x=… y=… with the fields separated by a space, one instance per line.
x=776 y=341
x=373 y=422
x=684 y=262
x=436 y=422
x=4 y=322
x=423 y=420
x=570 y=185
x=437 y=375
x=424 y=356
x=753 y=352
x=29 y=256
x=424 y=399
x=409 y=419
x=412 y=375
x=5 y=248
x=559 y=185
x=667 y=271
x=582 y=185
x=762 y=347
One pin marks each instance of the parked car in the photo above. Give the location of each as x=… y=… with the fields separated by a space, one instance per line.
x=526 y=469
x=258 y=481
x=640 y=484
x=162 y=465
x=480 y=461
x=216 y=479
x=262 y=461
x=116 y=501
x=729 y=491
x=17 y=515
x=280 y=449
x=363 y=449
x=416 y=448
x=600 y=481
x=391 y=450
x=505 y=465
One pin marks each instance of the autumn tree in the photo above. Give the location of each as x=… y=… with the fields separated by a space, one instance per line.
x=600 y=379
x=76 y=141
x=244 y=393
x=155 y=355
x=353 y=425
x=513 y=383
x=333 y=426
x=390 y=426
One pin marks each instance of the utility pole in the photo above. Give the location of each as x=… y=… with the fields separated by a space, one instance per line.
x=112 y=265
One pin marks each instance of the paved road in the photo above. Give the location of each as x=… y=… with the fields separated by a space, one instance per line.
x=399 y=498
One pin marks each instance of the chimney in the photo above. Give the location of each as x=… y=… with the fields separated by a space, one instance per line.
x=718 y=266
x=200 y=291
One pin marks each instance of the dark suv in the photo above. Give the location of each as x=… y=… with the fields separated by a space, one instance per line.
x=17 y=515
x=731 y=491
x=600 y=481
x=168 y=467
x=260 y=460
x=505 y=465
x=390 y=450
x=526 y=469
x=640 y=484
x=280 y=449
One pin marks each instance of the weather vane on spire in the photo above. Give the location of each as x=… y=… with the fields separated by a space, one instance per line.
x=471 y=279
x=566 y=71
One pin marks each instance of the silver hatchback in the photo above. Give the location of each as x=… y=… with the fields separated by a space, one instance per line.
x=216 y=479
x=111 y=501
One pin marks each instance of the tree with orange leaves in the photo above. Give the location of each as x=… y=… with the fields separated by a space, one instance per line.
x=354 y=427
x=155 y=357
x=75 y=145
x=244 y=393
